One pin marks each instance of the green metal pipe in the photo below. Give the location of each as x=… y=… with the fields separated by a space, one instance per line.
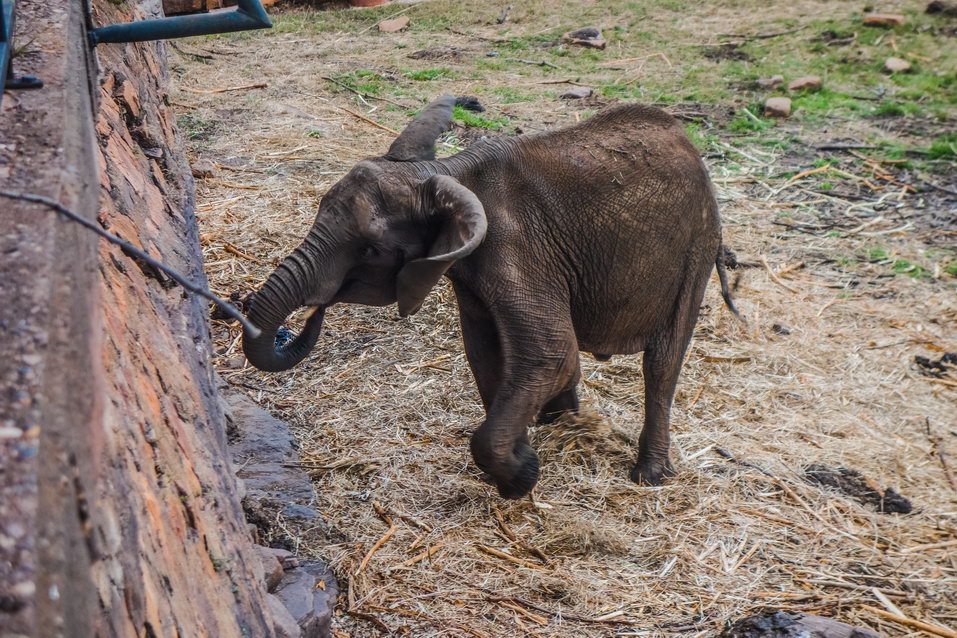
x=249 y=14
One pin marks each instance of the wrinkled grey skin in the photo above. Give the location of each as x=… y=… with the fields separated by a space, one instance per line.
x=597 y=238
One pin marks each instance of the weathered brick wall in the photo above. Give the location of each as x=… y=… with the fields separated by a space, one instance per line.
x=123 y=518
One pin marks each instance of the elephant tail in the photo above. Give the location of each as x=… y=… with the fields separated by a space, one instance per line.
x=726 y=259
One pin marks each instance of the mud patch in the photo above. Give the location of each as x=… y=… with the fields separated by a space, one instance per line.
x=439 y=53
x=852 y=483
x=727 y=51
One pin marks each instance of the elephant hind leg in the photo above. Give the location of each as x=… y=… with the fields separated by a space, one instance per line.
x=564 y=402
x=661 y=365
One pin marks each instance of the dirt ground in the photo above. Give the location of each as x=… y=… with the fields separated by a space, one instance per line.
x=847 y=281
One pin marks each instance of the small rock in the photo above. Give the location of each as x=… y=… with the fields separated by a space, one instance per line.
x=282 y=620
x=771 y=83
x=782 y=624
x=203 y=168
x=396 y=24
x=310 y=603
x=235 y=363
x=272 y=566
x=586 y=37
x=777 y=107
x=577 y=93
x=884 y=20
x=897 y=65
x=808 y=82
x=779 y=329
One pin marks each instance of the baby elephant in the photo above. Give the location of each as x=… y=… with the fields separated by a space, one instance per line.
x=598 y=238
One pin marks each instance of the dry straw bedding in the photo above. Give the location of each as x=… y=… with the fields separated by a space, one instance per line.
x=384 y=407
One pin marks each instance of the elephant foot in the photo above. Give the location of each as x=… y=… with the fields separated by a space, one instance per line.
x=523 y=480
x=652 y=471
x=514 y=476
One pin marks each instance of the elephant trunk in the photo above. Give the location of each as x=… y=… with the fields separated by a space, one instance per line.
x=270 y=306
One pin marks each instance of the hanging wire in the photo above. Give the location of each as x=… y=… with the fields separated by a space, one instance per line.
x=202 y=291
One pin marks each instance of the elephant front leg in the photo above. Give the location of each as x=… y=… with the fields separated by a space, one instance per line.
x=533 y=373
x=482 y=347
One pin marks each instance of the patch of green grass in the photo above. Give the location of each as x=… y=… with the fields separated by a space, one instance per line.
x=877 y=253
x=826 y=102
x=362 y=80
x=748 y=123
x=699 y=137
x=951 y=268
x=427 y=75
x=904 y=267
x=887 y=108
x=476 y=120
x=944 y=147
x=193 y=126
x=512 y=96
x=620 y=91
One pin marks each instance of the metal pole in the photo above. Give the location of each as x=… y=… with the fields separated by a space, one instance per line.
x=249 y=14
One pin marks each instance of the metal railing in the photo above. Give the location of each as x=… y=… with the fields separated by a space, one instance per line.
x=248 y=14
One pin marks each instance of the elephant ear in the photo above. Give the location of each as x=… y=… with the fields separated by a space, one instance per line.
x=462 y=228
x=417 y=141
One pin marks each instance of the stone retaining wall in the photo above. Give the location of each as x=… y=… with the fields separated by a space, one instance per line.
x=119 y=511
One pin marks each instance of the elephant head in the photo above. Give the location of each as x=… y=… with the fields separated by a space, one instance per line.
x=381 y=236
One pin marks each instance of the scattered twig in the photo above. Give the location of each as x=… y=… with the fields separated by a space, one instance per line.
x=130 y=249
x=508 y=557
x=926 y=547
x=245 y=187
x=891 y=607
x=195 y=56
x=562 y=615
x=258 y=85
x=426 y=554
x=759 y=36
x=775 y=278
x=572 y=82
x=938 y=444
x=533 y=62
x=940 y=188
x=370 y=618
x=379 y=543
x=369 y=121
x=819 y=169
x=514 y=537
x=232 y=249
x=731 y=457
x=183 y=104
x=383 y=514
x=360 y=93
x=541 y=620
x=478 y=37
x=916 y=624
x=237 y=169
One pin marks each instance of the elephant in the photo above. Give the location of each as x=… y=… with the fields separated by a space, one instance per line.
x=598 y=238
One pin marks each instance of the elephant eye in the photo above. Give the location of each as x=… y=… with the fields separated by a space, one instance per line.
x=370 y=251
